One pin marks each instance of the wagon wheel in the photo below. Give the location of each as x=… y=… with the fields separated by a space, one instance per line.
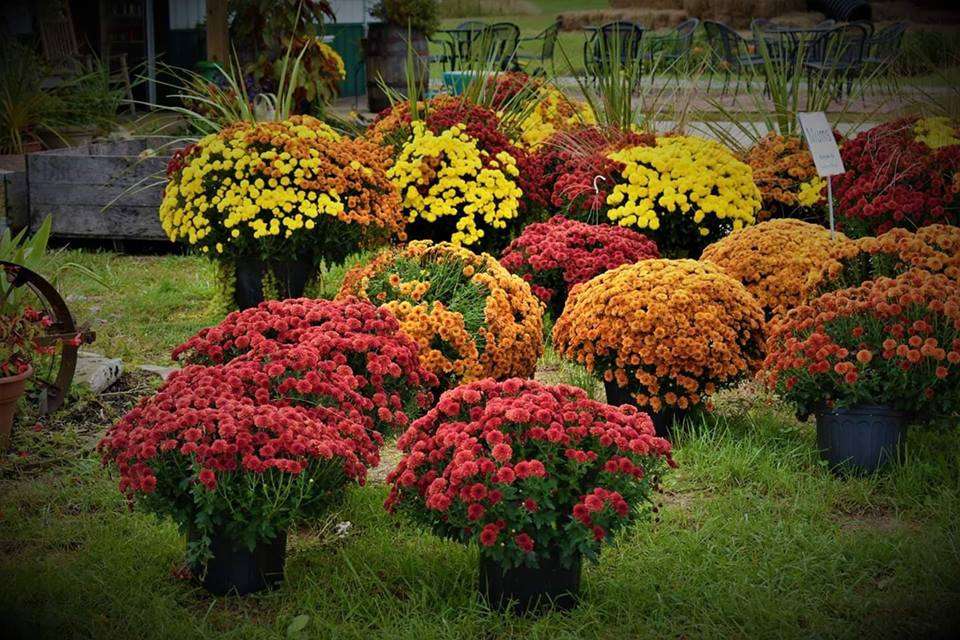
x=54 y=372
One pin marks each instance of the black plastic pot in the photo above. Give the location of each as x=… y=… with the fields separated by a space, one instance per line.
x=525 y=589
x=663 y=420
x=234 y=569
x=291 y=276
x=861 y=439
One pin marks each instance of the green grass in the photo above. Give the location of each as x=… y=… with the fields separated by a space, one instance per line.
x=754 y=537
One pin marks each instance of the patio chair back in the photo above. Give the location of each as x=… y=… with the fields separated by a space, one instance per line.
x=684 y=39
x=885 y=45
x=725 y=44
x=840 y=48
x=57 y=36
x=614 y=40
x=550 y=35
x=499 y=44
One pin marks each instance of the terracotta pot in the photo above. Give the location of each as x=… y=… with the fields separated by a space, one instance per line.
x=11 y=388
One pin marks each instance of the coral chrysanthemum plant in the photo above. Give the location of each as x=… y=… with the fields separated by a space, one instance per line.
x=471 y=317
x=775 y=259
x=348 y=332
x=787 y=178
x=529 y=472
x=242 y=450
x=555 y=255
x=671 y=332
x=904 y=173
x=889 y=341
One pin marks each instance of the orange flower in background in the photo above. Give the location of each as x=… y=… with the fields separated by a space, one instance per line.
x=670 y=331
x=774 y=260
x=471 y=317
x=784 y=172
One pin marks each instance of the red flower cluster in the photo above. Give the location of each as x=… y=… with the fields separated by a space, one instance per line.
x=179 y=159
x=506 y=464
x=555 y=255
x=20 y=341
x=348 y=332
x=891 y=341
x=508 y=85
x=895 y=180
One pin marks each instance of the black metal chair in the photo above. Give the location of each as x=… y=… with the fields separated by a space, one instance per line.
x=836 y=55
x=614 y=43
x=498 y=45
x=730 y=51
x=671 y=50
x=883 y=48
x=547 y=40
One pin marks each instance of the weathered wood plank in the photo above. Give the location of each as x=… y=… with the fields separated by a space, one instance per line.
x=53 y=193
x=113 y=170
x=118 y=222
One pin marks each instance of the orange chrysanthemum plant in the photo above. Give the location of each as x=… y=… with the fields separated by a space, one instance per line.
x=472 y=318
x=934 y=248
x=892 y=342
x=774 y=259
x=668 y=332
x=784 y=172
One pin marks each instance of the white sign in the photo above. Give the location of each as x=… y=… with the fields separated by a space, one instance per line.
x=822 y=144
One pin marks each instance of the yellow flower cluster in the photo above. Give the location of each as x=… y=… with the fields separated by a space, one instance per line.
x=448 y=176
x=553 y=112
x=936 y=132
x=669 y=331
x=330 y=54
x=679 y=182
x=278 y=180
x=774 y=259
x=471 y=317
x=784 y=172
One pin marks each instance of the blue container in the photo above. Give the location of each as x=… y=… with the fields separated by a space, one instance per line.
x=861 y=439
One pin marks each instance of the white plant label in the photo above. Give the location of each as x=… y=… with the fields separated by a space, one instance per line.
x=822 y=144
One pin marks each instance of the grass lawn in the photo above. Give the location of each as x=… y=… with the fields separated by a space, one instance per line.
x=753 y=539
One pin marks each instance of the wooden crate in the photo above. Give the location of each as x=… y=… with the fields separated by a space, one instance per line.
x=75 y=185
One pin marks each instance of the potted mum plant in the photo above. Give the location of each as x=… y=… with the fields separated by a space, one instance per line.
x=20 y=332
x=270 y=201
x=867 y=360
x=538 y=476
x=555 y=255
x=663 y=334
x=237 y=454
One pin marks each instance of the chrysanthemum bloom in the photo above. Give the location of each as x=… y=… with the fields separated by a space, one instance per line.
x=669 y=331
x=784 y=172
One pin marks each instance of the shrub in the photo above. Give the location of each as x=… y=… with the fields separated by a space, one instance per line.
x=280 y=189
x=471 y=317
x=774 y=260
x=887 y=341
x=220 y=450
x=895 y=178
x=347 y=332
x=784 y=172
x=527 y=471
x=670 y=331
x=555 y=255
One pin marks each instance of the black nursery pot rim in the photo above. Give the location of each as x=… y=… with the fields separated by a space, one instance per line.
x=866 y=409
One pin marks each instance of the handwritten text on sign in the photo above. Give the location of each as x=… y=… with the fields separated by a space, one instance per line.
x=822 y=144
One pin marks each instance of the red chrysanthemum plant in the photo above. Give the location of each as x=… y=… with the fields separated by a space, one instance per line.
x=349 y=332
x=245 y=450
x=529 y=472
x=555 y=255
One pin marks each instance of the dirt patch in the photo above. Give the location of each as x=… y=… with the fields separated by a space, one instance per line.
x=389 y=457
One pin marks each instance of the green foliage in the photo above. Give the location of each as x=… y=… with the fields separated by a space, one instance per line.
x=417 y=15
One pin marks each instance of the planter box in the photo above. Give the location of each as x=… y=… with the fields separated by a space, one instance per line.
x=75 y=184
x=13 y=193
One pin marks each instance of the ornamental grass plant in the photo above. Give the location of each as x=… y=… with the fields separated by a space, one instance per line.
x=555 y=255
x=671 y=332
x=889 y=341
x=471 y=317
x=529 y=472
x=774 y=260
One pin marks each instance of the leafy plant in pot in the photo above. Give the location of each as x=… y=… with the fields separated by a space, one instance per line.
x=868 y=359
x=537 y=476
x=237 y=454
x=271 y=201
x=664 y=335
x=20 y=333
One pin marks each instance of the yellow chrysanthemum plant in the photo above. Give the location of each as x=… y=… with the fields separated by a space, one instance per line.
x=774 y=260
x=271 y=201
x=936 y=132
x=472 y=318
x=460 y=177
x=552 y=113
x=664 y=335
x=684 y=192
